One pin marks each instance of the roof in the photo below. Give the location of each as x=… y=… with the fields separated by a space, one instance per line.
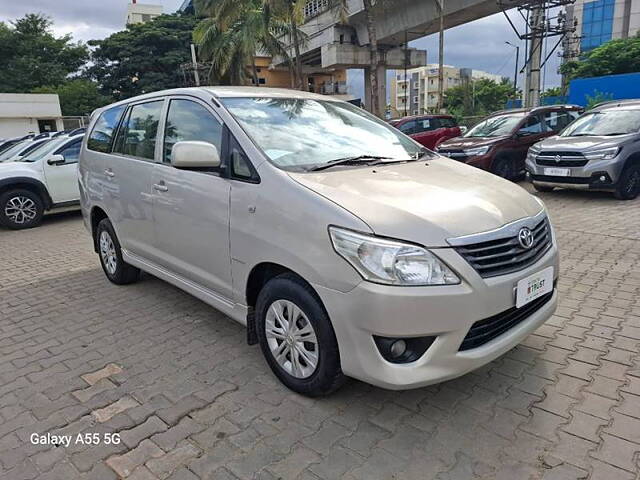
x=425 y=115
x=535 y=109
x=225 y=92
x=631 y=102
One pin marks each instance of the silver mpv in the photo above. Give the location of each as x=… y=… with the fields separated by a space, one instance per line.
x=346 y=248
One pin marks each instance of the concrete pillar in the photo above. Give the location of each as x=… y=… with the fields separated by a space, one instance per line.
x=532 y=96
x=381 y=90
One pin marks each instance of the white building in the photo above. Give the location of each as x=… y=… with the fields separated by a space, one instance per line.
x=142 y=12
x=23 y=113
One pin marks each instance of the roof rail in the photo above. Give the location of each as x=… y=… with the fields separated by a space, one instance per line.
x=618 y=102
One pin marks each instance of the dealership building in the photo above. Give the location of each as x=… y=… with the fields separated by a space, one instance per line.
x=23 y=113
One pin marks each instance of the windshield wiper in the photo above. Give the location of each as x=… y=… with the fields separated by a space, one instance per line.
x=346 y=161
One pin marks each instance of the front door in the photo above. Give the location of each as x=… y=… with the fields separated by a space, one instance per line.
x=191 y=208
x=62 y=178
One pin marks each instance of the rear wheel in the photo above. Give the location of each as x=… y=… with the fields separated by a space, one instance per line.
x=543 y=188
x=628 y=186
x=20 y=209
x=503 y=167
x=115 y=268
x=297 y=338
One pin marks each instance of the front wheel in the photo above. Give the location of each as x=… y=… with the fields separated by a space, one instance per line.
x=628 y=186
x=296 y=337
x=20 y=209
x=503 y=167
x=115 y=268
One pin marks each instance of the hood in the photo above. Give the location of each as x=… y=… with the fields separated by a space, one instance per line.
x=424 y=202
x=463 y=143
x=583 y=143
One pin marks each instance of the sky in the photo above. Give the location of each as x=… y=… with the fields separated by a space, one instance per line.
x=478 y=44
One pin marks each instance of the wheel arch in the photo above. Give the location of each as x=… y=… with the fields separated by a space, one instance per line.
x=27 y=183
x=258 y=277
x=96 y=216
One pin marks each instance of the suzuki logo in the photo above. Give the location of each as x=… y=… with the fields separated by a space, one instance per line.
x=525 y=238
x=557 y=159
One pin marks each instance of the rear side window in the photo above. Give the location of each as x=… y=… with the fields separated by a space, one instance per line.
x=137 y=136
x=190 y=121
x=102 y=133
x=556 y=121
x=426 y=124
x=448 y=122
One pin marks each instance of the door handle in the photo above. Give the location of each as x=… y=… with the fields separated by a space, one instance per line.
x=161 y=187
x=109 y=173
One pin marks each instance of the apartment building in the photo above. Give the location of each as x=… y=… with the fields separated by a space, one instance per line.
x=417 y=91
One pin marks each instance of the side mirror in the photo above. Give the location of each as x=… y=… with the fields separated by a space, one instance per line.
x=56 y=160
x=195 y=155
x=463 y=130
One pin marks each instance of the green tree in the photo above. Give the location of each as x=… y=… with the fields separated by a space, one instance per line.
x=143 y=58
x=232 y=32
x=78 y=97
x=610 y=58
x=33 y=57
x=552 y=92
x=478 y=97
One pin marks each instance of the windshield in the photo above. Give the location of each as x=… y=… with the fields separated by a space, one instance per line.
x=298 y=134
x=604 y=123
x=497 y=126
x=13 y=151
x=43 y=150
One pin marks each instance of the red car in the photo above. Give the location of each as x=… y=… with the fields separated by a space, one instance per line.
x=428 y=130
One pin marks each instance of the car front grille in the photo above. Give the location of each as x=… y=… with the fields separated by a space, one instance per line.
x=505 y=255
x=484 y=331
x=561 y=159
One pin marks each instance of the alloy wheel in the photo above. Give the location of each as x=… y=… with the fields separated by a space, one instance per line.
x=108 y=252
x=20 y=210
x=291 y=339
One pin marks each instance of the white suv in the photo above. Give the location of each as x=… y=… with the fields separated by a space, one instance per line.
x=44 y=181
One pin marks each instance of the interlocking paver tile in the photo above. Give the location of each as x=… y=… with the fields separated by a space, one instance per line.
x=174 y=362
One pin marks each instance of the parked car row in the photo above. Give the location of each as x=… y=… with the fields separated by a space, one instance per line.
x=556 y=146
x=38 y=175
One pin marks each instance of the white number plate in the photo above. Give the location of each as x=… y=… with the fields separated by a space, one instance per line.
x=534 y=286
x=557 y=172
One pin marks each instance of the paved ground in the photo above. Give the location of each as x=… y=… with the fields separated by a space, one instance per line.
x=192 y=400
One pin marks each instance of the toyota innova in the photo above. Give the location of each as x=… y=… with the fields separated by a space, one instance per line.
x=346 y=248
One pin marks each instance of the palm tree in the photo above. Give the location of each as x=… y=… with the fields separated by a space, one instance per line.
x=232 y=32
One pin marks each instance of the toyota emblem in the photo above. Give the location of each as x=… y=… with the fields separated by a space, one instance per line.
x=525 y=238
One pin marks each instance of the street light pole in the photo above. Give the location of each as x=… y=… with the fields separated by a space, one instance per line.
x=441 y=58
x=515 y=73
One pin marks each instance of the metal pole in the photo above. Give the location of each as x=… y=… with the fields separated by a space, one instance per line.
x=194 y=59
x=535 y=58
x=441 y=58
x=407 y=90
x=515 y=75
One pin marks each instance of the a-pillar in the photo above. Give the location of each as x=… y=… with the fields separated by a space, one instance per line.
x=381 y=90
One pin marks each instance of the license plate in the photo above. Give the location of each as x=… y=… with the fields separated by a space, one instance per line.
x=557 y=172
x=534 y=286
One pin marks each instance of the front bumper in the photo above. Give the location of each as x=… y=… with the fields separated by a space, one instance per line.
x=447 y=312
x=595 y=175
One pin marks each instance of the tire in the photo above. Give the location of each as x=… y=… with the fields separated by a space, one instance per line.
x=21 y=209
x=503 y=167
x=543 y=188
x=110 y=253
x=628 y=187
x=283 y=294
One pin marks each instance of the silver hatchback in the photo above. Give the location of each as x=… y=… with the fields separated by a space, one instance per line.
x=346 y=248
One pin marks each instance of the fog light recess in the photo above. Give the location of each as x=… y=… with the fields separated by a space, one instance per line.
x=402 y=350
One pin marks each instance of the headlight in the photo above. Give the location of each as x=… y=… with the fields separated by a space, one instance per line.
x=390 y=262
x=535 y=150
x=474 y=152
x=604 y=154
